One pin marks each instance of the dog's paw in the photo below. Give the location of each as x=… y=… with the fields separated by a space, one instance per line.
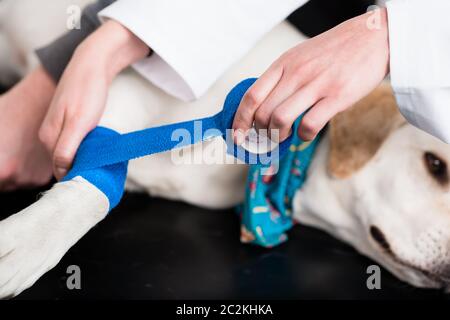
x=34 y=240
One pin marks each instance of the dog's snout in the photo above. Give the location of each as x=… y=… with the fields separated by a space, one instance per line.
x=379 y=238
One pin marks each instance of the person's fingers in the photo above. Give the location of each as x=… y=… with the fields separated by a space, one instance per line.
x=317 y=117
x=51 y=128
x=71 y=136
x=284 y=116
x=243 y=120
x=283 y=90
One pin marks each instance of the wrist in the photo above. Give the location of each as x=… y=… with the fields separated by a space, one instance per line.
x=114 y=48
x=376 y=32
x=382 y=35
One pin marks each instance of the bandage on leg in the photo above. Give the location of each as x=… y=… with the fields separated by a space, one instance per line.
x=103 y=156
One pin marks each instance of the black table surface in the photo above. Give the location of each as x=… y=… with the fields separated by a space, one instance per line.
x=151 y=248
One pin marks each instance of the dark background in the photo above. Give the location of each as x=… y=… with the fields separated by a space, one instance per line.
x=157 y=249
x=317 y=16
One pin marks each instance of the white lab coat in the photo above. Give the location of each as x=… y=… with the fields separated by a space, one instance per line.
x=197 y=41
x=419 y=37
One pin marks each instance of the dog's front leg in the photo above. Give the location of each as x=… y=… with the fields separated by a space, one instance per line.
x=34 y=240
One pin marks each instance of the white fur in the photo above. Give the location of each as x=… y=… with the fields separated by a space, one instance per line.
x=30 y=24
x=384 y=193
x=9 y=73
x=34 y=240
x=394 y=192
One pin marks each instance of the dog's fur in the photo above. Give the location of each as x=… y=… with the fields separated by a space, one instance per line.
x=368 y=184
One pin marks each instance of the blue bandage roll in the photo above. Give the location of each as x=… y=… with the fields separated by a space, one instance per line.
x=103 y=156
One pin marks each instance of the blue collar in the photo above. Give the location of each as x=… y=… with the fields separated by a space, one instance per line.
x=266 y=213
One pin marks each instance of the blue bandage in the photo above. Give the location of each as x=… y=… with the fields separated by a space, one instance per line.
x=103 y=156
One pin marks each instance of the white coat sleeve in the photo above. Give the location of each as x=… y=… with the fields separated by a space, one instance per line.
x=195 y=42
x=419 y=34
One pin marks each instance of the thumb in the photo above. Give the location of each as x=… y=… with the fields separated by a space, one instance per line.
x=66 y=148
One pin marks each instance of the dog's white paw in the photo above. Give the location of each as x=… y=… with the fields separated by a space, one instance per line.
x=34 y=240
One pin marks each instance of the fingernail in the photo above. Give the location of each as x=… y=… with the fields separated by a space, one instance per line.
x=239 y=137
x=60 y=173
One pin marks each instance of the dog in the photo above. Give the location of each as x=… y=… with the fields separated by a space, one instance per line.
x=375 y=182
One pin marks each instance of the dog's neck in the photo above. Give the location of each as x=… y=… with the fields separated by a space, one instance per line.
x=324 y=202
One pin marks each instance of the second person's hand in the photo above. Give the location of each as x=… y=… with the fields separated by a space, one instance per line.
x=81 y=94
x=327 y=73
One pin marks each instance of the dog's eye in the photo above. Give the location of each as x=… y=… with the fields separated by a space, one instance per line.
x=436 y=167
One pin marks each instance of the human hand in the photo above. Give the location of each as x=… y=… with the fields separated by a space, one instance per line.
x=81 y=94
x=24 y=162
x=328 y=73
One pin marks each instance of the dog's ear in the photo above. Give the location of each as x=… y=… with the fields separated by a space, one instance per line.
x=357 y=133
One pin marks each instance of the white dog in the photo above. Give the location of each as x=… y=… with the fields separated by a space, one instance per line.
x=375 y=182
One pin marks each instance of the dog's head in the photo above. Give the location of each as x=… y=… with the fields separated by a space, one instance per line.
x=398 y=189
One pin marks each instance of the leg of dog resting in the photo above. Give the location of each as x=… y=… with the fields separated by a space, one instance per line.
x=35 y=239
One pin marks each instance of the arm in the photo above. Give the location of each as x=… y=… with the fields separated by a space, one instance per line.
x=80 y=96
x=410 y=43
x=319 y=77
x=194 y=42
x=420 y=71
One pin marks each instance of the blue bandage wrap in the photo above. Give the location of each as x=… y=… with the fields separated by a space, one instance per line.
x=103 y=156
